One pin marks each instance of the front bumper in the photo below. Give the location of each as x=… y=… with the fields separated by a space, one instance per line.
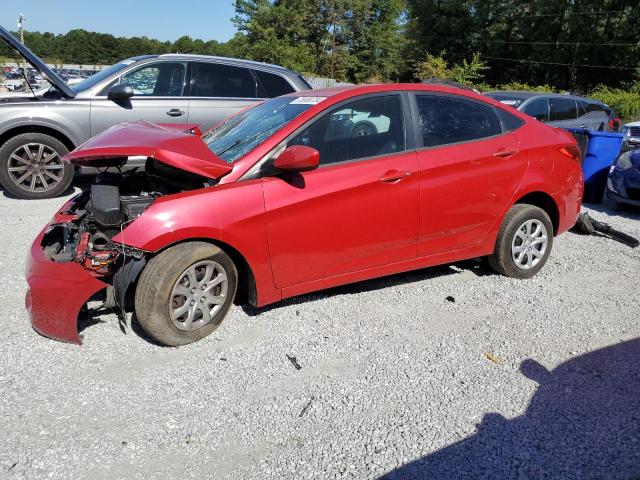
x=623 y=186
x=57 y=292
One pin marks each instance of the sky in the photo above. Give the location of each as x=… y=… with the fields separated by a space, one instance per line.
x=158 y=19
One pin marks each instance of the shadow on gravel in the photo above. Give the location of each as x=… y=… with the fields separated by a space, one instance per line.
x=476 y=266
x=583 y=422
x=624 y=211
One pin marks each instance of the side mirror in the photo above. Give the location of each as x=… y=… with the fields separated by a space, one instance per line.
x=120 y=92
x=298 y=158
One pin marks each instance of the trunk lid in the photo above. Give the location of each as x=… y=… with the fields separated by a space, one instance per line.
x=36 y=63
x=174 y=145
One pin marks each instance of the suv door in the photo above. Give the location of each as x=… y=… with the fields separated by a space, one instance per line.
x=470 y=168
x=593 y=116
x=158 y=97
x=564 y=112
x=359 y=209
x=538 y=108
x=218 y=91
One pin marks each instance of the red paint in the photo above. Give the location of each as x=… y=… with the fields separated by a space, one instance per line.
x=298 y=159
x=308 y=230
x=177 y=148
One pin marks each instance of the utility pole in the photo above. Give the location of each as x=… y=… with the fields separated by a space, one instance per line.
x=21 y=31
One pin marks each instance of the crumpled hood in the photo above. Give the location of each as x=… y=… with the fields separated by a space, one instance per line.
x=174 y=145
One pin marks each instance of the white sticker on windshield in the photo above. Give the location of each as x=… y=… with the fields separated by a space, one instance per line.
x=509 y=102
x=308 y=100
x=127 y=62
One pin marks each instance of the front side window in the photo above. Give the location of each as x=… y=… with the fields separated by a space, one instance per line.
x=538 y=109
x=217 y=80
x=165 y=79
x=234 y=137
x=447 y=120
x=362 y=129
x=563 y=109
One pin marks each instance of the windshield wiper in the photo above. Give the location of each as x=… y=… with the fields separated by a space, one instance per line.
x=237 y=142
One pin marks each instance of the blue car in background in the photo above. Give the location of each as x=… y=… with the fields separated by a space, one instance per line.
x=623 y=184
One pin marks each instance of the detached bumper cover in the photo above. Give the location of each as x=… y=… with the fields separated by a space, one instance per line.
x=57 y=292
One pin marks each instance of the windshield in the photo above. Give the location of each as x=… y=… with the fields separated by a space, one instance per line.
x=96 y=78
x=239 y=134
x=510 y=100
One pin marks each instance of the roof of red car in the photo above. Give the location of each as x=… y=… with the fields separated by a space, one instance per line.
x=351 y=90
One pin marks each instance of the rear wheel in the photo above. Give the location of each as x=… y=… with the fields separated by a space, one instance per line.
x=31 y=166
x=524 y=242
x=185 y=292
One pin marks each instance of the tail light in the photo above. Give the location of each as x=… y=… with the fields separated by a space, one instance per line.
x=614 y=124
x=572 y=152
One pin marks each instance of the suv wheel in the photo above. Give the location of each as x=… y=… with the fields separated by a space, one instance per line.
x=31 y=166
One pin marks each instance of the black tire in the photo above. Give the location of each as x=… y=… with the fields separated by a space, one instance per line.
x=156 y=284
x=363 y=130
x=502 y=259
x=56 y=167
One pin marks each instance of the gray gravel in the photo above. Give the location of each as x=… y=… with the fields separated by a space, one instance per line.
x=395 y=379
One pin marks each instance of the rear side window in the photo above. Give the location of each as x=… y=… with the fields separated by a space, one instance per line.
x=594 y=107
x=563 y=109
x=538 y=109
x=272 y=85
x=447 y=120
x=216 y=80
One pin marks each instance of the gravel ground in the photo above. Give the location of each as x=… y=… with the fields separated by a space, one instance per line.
x=505 y=379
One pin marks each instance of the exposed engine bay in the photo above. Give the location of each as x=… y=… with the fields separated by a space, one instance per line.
x=112 y=201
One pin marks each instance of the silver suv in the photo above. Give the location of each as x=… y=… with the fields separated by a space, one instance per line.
x=564 y=111
x=38 y=129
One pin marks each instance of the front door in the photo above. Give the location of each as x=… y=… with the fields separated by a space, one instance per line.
x=158 y=97
x=359 y=209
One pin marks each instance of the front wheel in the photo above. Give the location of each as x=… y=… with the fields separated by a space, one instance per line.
x=524 y=242
x=31 y=166
x=185 y=292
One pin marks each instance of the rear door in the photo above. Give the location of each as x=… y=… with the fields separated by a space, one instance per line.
x=564 y=112
x=359 y=209
x=158 y=97
x=470 y=169
x=218 y=91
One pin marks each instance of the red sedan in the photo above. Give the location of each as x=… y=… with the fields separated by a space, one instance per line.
x=298 y=194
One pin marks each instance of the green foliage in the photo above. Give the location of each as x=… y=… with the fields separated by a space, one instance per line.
x=358 y=40
x=525 y=87
x=568 y=44
x=626 y=102
x=466 y=73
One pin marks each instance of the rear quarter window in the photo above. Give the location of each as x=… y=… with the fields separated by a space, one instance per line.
x=273 y=85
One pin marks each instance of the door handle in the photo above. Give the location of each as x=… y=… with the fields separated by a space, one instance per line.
x=175 y=112
x=393 y=176
x=505 y=153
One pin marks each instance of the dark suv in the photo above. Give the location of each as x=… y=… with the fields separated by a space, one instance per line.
x=565 y=111
x=38 y=129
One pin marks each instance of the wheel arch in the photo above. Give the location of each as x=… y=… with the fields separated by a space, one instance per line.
x=44 y=129
x=247 y=288
x=544 y=201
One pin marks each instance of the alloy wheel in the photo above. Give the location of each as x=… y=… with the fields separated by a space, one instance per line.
x=35 y=167
x=198 y=294
x=529 y=244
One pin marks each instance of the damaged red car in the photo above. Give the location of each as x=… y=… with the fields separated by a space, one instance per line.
x=298 y=194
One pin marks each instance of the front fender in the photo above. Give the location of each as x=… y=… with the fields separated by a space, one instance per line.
x=232 y=214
